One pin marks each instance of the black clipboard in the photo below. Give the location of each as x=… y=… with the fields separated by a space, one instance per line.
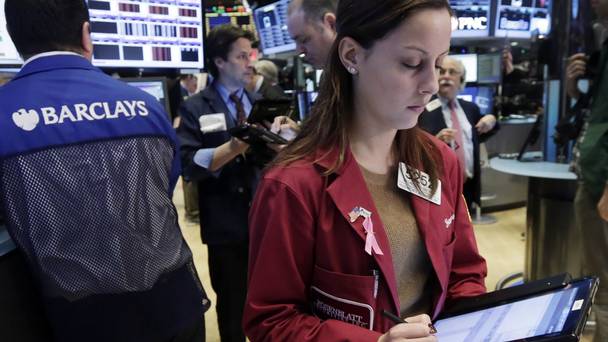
x=554 y=313
x=256 y=135
x=266 y=110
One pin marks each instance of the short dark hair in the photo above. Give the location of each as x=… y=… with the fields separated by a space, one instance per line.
x=314 y=10
x=38 y=26
x=219 y=42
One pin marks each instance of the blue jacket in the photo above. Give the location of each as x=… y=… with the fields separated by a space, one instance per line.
x=87 y=169
x=224 y=197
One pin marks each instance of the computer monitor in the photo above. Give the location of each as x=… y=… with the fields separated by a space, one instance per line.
x=151 y=34
x=470 y=64
x=520 y=18
x=471 y=18
x=271 y=23
x=241 y=19
x=489 y=68
x=8 y=52
x=155 y=86
x=483 y=97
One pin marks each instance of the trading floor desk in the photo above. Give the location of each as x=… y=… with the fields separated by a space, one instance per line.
x=552 y=242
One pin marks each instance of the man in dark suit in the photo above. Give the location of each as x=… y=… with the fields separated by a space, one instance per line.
x=460 y=124
x=225 y=177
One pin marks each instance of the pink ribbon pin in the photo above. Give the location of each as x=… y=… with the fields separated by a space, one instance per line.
x=370 y=241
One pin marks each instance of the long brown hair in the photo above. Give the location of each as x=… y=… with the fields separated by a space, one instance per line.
x=366 y=22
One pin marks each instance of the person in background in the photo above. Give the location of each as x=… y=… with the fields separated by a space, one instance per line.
x=363 y=209
x=265 y=81
x=590 y=163
x=312 y=25
x=182 y=88
x=89 y=165
x=459 y=124
x=225 y=176
x=186 y=86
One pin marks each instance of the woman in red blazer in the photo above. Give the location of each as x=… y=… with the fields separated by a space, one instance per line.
x=320 y=266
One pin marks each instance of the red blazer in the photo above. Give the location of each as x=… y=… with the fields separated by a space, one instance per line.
x=307 y=261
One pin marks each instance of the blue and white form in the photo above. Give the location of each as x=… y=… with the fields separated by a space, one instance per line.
x=87 y=169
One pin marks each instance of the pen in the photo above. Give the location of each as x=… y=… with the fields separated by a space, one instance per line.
x=399 y=320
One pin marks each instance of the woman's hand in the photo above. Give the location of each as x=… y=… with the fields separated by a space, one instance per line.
x=416 y=329
x=285 y=127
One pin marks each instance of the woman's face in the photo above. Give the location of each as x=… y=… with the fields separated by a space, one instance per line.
x=398 y=75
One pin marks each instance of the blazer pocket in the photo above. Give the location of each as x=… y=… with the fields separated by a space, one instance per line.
x=344 y=297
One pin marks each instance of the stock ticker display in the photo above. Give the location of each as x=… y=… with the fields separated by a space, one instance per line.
x=522 y=18
x=147 y=33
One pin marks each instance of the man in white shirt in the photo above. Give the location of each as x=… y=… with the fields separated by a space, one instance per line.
x=460 y=124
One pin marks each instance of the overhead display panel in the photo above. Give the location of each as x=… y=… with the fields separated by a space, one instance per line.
x=241 y=19
x=147 y=33
x=521 y=18
x=472 y=18
x=271 y=22
x=8 y=52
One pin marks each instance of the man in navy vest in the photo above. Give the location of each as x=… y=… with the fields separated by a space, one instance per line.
x=87 y=169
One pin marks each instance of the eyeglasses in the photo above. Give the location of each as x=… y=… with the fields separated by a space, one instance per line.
x=450 y=71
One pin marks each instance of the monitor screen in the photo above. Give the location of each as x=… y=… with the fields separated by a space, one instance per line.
x=489 y=68
x=155 y=86
x=241 y=19
x=519 y=18
x=271 y=22
x=470 y=64
x=151 y=34
x=536 y=316
x=8 y=52
x=471 y=18
x=483 y=97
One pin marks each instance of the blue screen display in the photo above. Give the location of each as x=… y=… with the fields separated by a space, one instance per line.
x=483 y=97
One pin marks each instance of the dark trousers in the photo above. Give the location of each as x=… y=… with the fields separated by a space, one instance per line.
x=190 y=199
x=195 y=334
x=468 y=191
x=22 y=314
x=228 y=272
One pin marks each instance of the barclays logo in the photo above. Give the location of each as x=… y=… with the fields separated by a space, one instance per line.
x=26 y=119
x=79 y=112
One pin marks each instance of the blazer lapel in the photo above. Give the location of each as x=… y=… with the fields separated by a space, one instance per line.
x=348 y=191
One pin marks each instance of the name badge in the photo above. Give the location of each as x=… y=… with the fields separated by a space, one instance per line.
x=405 y=181
x=212 y=123
x=327 y=306
x=431 y=106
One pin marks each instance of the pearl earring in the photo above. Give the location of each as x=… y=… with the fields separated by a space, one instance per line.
x=352 y=70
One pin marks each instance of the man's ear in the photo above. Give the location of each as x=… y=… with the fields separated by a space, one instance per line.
x=86 y=42
x=329 y=19
x=219 y=63
x=350 y=53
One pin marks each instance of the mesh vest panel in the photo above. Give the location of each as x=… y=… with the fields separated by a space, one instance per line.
x=95 y=218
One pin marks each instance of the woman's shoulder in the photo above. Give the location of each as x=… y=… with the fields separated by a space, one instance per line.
x=295 y=175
